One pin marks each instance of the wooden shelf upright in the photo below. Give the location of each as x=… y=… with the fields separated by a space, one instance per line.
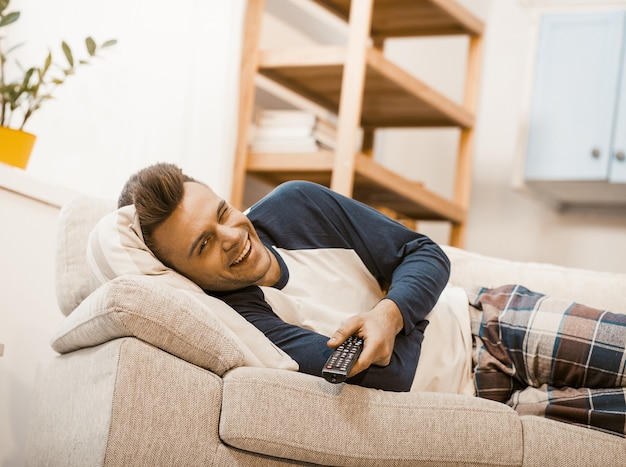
x=365 y=90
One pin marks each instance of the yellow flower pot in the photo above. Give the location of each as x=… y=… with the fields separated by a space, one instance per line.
x=15 y=147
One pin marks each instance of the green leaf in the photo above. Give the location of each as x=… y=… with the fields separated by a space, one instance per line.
x=68 y=53
x=109 y=43
x=91 y=46
x=3 y=5
x=10 y=18
x=27 y=76
x=48 y=62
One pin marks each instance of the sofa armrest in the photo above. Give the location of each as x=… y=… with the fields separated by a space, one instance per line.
x=169 y=319
x=301 y=417
x=193 y=326
x=548 y=442
x=123 y=403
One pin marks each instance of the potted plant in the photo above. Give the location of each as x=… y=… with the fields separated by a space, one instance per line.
x=22 y=95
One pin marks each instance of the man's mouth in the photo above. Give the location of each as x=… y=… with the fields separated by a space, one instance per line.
x=244 y=254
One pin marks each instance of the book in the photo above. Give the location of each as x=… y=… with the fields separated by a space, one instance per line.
x=295 y=145
x=293 y=118
x=268 y=117
x=291 y=131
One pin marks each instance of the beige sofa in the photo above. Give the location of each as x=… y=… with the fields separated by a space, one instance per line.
x=125 y=392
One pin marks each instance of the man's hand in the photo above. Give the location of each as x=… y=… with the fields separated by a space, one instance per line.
x=378 y=328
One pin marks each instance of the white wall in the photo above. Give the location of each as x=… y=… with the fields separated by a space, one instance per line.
x=28 y=312
x=166 y=92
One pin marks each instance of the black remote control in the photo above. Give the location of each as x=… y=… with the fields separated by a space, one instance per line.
x=342 y=360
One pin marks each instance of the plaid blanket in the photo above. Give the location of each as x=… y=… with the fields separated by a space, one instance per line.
x=550 y=357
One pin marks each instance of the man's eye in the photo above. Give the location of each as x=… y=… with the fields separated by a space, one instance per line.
x=224 y=213
x=203 y=244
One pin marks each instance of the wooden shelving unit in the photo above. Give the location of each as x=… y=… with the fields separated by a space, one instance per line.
x=366 y=91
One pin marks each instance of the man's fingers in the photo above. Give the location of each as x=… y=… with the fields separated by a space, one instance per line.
x=363 y=362
x=337 y=339
x=347 y=329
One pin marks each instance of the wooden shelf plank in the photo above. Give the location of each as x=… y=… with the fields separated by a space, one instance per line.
x=383 y=94
x=278 y=168
x=374 y=184
x=409 y=18
x=289 y=162
x=377 y=185
x=392 y=97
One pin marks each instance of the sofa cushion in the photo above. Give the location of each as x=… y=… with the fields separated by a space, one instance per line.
x=297 y=416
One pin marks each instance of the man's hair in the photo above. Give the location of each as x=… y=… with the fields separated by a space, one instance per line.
x=155 y=191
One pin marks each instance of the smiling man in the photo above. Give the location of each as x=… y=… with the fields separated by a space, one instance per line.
x=306 y=266
x=213 y=244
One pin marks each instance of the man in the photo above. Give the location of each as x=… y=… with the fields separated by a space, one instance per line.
x=301 y=258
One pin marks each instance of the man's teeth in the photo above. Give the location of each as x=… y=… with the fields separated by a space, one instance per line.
x=245 y=251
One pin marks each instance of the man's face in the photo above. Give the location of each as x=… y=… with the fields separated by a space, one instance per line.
x=214 y=244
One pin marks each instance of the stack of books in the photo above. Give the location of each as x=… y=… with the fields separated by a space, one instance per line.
x=294 y=131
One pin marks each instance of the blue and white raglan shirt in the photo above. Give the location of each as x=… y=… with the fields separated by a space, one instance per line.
x=338 y=257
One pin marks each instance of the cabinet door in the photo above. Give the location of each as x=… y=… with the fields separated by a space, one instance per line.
x=617 y=169
x=574 y=96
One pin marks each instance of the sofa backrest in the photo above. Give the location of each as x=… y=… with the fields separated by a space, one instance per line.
x=602 y=290
x=73 y=281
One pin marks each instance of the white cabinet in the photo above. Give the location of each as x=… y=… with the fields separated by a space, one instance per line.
x=577 y=125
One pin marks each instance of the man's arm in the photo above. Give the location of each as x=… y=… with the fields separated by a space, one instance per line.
x=309 y=348
x=410 y=266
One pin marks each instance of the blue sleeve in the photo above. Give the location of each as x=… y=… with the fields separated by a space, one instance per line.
x=410 y=266
x=309 y=348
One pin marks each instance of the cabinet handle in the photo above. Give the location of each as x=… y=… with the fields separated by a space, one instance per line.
x=595 y=152
x=620 y=156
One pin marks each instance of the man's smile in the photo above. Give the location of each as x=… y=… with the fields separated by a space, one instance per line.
x=244 y=254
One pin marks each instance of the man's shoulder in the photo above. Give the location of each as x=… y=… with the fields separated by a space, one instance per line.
x=294 y=195
x=299 y=215
x=299 y=188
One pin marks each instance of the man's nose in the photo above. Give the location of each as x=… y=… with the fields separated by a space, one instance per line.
x=230 y=236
